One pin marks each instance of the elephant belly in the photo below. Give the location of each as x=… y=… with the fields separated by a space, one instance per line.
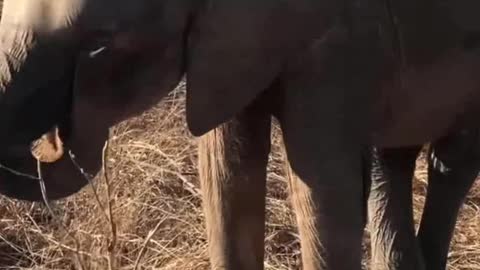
x=423 y=104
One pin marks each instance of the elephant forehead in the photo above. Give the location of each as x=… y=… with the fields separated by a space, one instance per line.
x=41 y=15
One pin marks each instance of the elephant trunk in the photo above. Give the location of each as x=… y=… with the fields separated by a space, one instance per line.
x=35 y=85
x=38 y=57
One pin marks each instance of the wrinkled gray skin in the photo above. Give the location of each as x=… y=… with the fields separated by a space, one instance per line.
x=454 y=163
x=365 y=69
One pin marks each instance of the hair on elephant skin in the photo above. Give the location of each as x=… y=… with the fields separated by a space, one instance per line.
x=340 y=76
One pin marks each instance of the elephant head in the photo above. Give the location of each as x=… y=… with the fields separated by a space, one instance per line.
x=70 y=69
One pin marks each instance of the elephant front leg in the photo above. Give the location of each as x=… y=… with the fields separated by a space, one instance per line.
x=453 y=165
x=328 y=199
x=330 y=222
x=326 y=180
x=394 y=246
x=232 y=162
x=324 y=114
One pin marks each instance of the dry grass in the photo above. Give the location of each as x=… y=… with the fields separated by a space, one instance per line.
x=156 y=209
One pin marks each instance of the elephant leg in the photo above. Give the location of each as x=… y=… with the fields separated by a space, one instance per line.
x=324 y=114
x=327 y=196
x=393 y=241
x=454 y=163
x=326 y=175
x=232 y=164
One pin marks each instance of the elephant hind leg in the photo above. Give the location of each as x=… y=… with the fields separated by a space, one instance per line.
x=453 y=165
x=394 y=246
x=232 y=165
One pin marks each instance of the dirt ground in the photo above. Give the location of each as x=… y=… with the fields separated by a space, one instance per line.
x=156 y=209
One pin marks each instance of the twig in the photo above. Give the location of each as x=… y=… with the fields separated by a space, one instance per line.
x=17 y=173
x=113 y=226
x=90 y=182
x=108 y=213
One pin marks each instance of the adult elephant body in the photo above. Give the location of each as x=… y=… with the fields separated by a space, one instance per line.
x=73 y=68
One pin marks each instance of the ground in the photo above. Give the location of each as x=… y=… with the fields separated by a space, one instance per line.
x=156 y=216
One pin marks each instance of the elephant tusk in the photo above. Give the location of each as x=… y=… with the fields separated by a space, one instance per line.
x=96 y=52
x=48 y=148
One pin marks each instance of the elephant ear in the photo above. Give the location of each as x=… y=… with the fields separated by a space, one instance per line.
x=236 y=50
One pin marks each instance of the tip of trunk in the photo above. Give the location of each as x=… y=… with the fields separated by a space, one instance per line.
x=49 y=148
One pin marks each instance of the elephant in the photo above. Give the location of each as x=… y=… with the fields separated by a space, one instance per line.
x=365 y=70
x=453 y=166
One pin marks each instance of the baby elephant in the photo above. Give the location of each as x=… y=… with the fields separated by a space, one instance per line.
x=453 y=165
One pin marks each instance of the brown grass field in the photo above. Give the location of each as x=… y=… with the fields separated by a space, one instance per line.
x=156 y=212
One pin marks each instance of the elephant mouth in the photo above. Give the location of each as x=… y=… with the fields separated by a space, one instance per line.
x=46 y=134
x=49 y=148
x=64 y=158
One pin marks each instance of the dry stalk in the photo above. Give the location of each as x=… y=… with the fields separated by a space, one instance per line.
x=188 y=186
x=55 y=217
x=17 y=173
x=113 y=226
x=43 y=190
x=151 y=233
x=108 y=213
x=90 y=182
